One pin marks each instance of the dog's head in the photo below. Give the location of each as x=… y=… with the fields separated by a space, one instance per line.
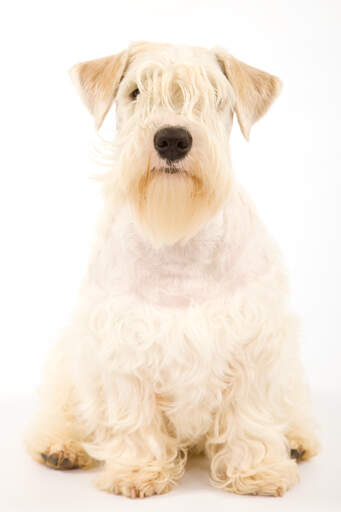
x=175 y=106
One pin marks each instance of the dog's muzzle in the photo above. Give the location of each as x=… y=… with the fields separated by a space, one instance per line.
x=172 y=143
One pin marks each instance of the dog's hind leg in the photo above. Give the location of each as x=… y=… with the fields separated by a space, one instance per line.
x=55 y=435
x=301 y=432
x=303 y=443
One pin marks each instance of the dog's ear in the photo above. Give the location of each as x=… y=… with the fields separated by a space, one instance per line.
x=254 y=89
x=97 y=82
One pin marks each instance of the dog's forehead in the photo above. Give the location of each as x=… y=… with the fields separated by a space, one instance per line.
x=167 y=55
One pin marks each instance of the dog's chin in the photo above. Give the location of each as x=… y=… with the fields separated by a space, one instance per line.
x=171 y=202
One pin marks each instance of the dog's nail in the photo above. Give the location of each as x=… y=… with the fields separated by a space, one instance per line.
x=297 y=454
x=66 y=463
x=133 y=493
x=294 y=454
x=279 y=491
x=53 y=459
x=44 y=456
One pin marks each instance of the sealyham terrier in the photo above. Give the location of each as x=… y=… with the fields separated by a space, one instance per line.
x=182 y=340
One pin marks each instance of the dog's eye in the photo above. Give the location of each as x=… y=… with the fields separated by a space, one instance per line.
x=134 y=94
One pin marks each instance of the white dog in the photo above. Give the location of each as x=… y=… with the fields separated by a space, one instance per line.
x=182 y=339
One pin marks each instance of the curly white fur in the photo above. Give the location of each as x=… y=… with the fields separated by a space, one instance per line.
x=182 y=339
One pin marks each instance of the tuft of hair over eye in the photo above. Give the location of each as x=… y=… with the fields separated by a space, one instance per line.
x=133 y=95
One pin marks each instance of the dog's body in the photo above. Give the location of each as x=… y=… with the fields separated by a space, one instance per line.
x=182 y=339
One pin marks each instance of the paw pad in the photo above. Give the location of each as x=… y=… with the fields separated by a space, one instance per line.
x=297 y=454
x=58 y=461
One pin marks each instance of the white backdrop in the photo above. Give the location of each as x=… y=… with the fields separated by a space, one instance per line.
x=291 y=167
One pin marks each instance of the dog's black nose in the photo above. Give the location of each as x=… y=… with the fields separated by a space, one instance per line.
x=172 y=143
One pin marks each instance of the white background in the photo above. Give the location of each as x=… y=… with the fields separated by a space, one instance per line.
x=48 y=207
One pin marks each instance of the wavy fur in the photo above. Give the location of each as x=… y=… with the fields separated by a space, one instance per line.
x=183 y=339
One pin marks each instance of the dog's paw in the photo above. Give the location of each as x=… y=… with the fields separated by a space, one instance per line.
x=135 y=489
x=65 y=456
x=269 y=480
x=303 y=448
x=140 y=481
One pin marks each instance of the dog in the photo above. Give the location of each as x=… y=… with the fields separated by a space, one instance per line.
x=183 y=340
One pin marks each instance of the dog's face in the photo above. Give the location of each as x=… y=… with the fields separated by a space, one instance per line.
x=175 y=106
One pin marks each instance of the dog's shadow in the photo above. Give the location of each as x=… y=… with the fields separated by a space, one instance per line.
x=196 y=476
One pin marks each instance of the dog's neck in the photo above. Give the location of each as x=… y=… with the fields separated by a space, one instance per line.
x=216 y=261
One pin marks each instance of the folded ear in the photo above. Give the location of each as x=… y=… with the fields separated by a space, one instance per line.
x=254 y=90
x=97 y=82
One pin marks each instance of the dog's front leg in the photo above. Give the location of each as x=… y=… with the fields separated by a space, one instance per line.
x=253 y=458
x=248 y=445
x=141 y=457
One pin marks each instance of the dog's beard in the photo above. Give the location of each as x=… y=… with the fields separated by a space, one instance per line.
x=173 y=202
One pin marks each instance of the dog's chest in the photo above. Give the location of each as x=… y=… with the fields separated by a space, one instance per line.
x=189 y=390
x=182 y=356
x=175 y=282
